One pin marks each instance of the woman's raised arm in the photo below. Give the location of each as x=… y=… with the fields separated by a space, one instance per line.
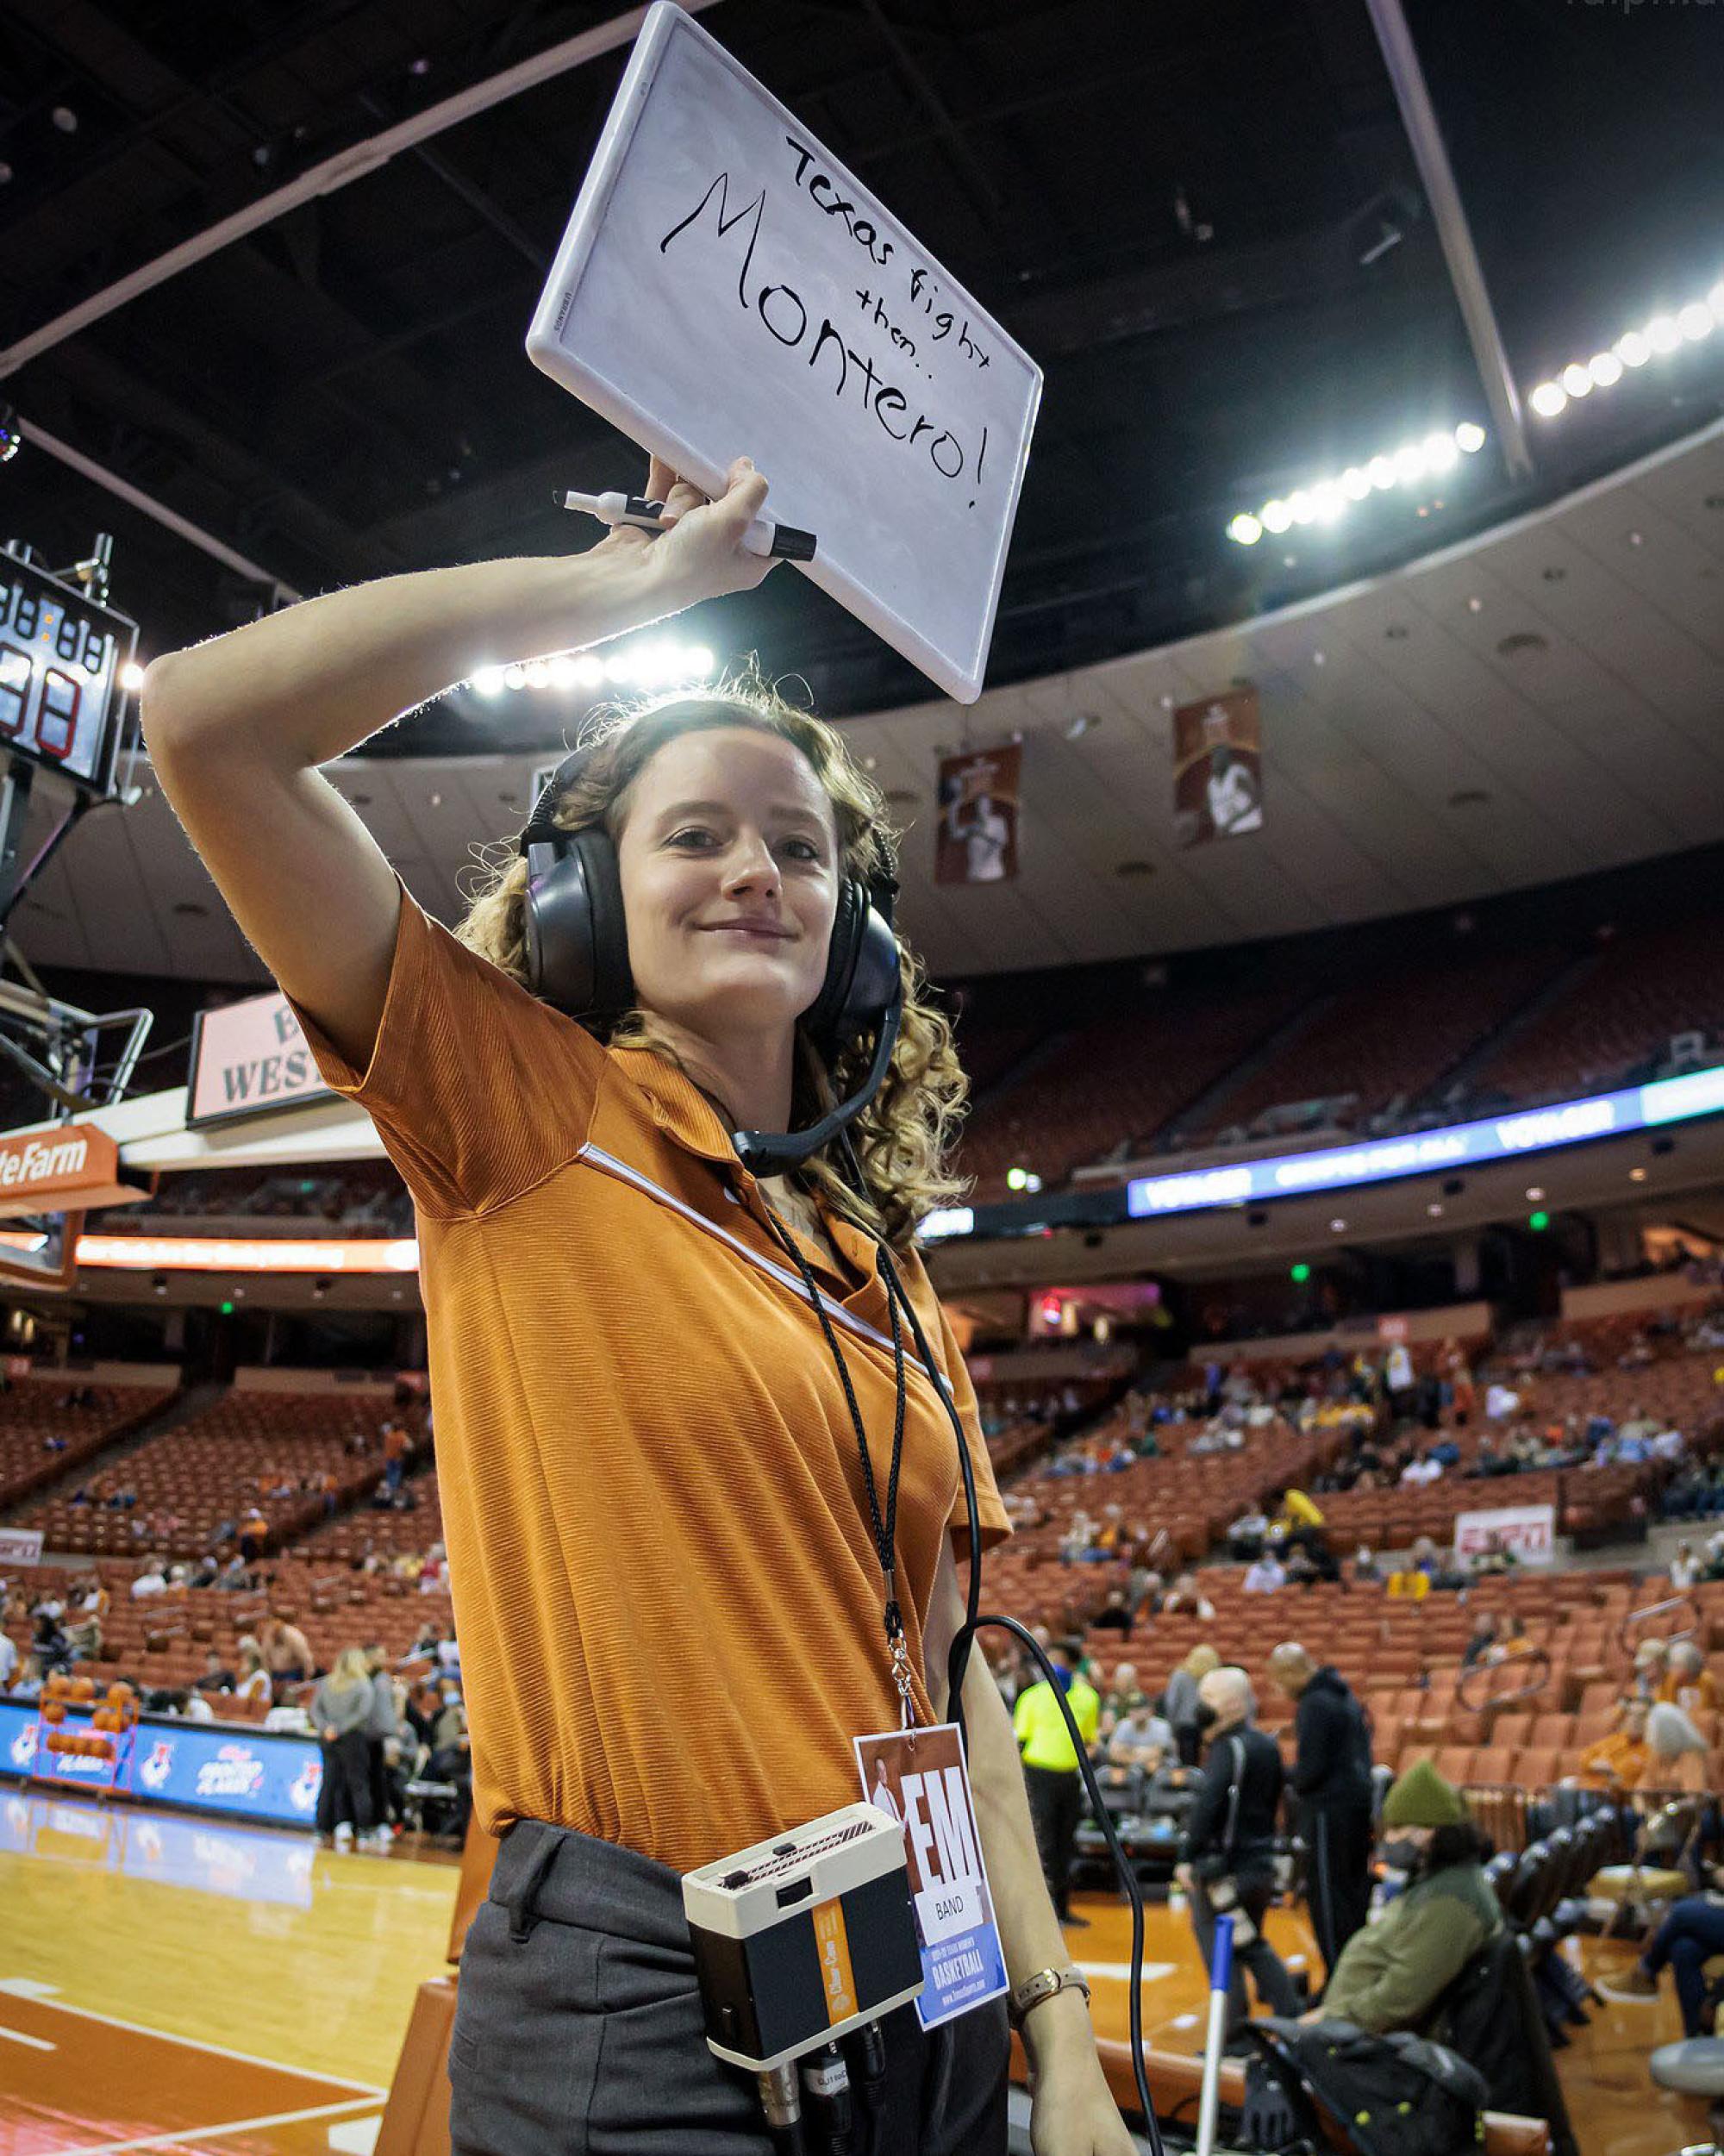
x=237 y=728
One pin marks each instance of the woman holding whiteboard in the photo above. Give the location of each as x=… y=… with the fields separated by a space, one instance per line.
x=667 y=1388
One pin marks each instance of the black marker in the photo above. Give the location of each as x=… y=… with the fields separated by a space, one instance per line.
x=783 y=541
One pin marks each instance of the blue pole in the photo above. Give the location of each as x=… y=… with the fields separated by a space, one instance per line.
x=1221 y=1979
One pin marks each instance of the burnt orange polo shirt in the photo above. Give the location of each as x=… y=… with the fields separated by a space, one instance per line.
x=665 y=1582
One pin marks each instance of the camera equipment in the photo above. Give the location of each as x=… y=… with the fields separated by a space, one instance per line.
x=798 y=1941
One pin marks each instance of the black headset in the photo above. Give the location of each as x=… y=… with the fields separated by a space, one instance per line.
x=577 y=959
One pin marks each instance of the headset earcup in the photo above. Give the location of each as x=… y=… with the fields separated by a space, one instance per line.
x=861 y=972
x=576 y=931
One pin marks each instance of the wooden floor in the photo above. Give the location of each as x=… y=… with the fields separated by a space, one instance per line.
x=182 y=1984
x=176 y=1984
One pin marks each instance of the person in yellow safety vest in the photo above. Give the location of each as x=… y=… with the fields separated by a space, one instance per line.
x=1050 y=1764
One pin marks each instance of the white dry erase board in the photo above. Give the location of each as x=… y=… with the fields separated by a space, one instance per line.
x=725 y=288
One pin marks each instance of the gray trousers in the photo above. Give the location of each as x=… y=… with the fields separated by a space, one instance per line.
x=578 y=2029
x=1268 y=1972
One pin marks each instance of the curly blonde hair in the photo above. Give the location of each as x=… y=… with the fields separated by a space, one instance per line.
x=904 y=1136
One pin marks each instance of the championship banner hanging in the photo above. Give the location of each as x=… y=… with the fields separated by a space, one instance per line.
x=978 y=840
x=1217 y=768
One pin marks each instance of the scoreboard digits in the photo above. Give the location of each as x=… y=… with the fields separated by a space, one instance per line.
x=60 y=659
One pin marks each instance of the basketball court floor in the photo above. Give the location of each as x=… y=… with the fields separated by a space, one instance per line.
x=180 y=1985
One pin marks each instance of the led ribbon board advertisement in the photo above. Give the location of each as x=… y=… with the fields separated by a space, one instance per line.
x=241 y=1772
x=1426 y=1152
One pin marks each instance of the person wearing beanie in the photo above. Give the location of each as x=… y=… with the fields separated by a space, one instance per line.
x=1391 y=1974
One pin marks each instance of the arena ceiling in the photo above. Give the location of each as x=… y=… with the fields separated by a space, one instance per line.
x=1202 y=216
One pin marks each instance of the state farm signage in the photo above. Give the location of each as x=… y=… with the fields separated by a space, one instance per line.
x=72 y=1168
x=249 y=1058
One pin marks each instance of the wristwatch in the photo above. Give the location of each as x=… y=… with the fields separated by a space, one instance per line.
x=1046 y=1984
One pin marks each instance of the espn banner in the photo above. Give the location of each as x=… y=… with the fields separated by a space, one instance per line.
x=1217 y=768
x=1527 y=1532
x=978 y=839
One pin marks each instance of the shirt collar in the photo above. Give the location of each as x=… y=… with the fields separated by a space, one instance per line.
x=686 y=1116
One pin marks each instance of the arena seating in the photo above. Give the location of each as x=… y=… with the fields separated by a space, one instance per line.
x=1392 y=1038
x=351 y=1537
x=208 y=1472
x=1120 y=1080
x=1404 y=1660
x=33 y=1410
x=162 y=1643
x=1622 y=1014
x=367 y=1196
x=1125 y=1086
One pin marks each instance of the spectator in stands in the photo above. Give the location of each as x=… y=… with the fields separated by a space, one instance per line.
x=1423 y=1468
x=1513 y=1642
x=48 y=1642
x=9 y=1661
x=1227 y=1856
x=1398 y=1373
x=1651 y=1667
x=217 y=1677
x=382 y=1732
x=1141 y=1738
x=1619 y=1761
x=27 y=1680
x=1266 y=1577
x=1247 y=1534
x=1500 y=1402
x=287 y=1652
x=1688 y=1683
x=1122 y=1696
x=451 y=1756
x=1392 y=1974
x=1115 y=1615
x=1690 y=1935
x=1481 y=1641
x=254 y=1679
x=151 y=1580
x=1677 y=1753
x=1181 y=1701
x=1145 y=1592
x=1187 y=1597
x=1459 y=1390
x=1684 y=1568
x=1332 y=1784
x=340 y=1708
x=1367 y=1571
x=1049 y=1766
x=188 y=1705
x=254 y=1533
x=83 y=1636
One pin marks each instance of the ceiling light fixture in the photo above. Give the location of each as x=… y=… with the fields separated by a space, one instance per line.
x=1326 y=500
x=1665 y=333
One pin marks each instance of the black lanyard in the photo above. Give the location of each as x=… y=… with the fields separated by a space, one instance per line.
x=884 y=1531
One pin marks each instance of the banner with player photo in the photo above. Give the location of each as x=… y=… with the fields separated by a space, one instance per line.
x=978 y=840
x=1217 y=768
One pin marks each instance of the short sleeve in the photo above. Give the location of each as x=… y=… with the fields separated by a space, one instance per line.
x=477 y=1089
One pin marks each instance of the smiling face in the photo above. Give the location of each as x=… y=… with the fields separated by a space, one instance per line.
x=729 y=857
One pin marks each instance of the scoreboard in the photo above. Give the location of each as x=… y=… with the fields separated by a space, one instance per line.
x=61 y=657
